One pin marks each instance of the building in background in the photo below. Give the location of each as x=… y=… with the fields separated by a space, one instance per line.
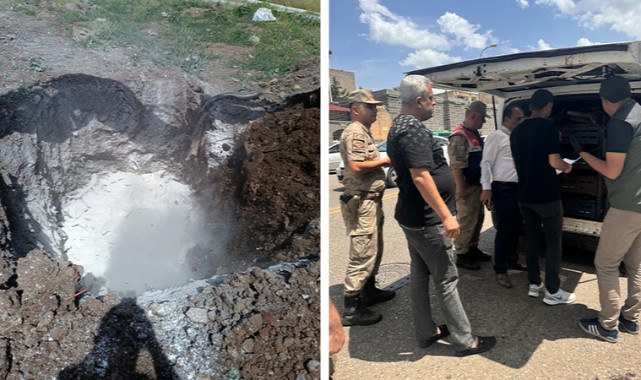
x=448 y=114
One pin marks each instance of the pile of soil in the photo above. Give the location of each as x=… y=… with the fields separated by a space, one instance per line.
x=252 y=156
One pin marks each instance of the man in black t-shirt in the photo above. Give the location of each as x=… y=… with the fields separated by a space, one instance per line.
x=621 y=232
x=425 y=211
x=536 y=151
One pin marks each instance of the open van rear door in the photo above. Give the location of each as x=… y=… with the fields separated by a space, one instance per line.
x=573 y=75
x=506 y=75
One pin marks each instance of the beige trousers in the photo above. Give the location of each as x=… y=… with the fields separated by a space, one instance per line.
x=620 y=241
x=470 y=215
x=364 y=224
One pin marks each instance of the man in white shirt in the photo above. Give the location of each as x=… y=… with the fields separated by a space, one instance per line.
x=499 y=183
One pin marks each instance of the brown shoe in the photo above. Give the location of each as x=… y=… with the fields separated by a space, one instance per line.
x=503 y=280
x=517 y=266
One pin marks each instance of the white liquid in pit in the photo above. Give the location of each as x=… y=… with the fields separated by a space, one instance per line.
x=134 y=232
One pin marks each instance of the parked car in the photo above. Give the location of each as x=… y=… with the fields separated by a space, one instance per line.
x=574 y=76
x=334 y=157
x=390 y=173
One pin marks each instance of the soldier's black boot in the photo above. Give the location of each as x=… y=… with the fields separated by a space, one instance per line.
x=373 y=295
x=356 y=313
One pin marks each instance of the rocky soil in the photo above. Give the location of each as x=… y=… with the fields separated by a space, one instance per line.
x=66 y=113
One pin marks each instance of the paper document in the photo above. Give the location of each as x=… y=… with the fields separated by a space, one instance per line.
x=569 y=161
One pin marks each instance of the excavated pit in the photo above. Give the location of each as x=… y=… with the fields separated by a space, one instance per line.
x=116 y=192
x=98 y=176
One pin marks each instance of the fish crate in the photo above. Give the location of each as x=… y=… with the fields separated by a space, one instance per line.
x=585 y=133
x=591 y=184
x=593 y=209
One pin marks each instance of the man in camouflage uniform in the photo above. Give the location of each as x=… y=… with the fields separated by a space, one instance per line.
x=362 y=211
x=466 y=151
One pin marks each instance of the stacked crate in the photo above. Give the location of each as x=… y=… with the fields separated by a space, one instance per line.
x=583 y=190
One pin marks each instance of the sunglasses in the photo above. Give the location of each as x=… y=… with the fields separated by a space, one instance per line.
x=370 y=106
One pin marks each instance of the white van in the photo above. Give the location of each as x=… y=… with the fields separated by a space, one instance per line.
x=573 y=75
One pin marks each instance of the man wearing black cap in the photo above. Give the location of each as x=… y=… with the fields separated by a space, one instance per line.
x=466 y=151
x=621 y=231
x=362 y=211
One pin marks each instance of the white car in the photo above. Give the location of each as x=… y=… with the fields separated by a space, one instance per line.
x=390 y=173
x=334 y=157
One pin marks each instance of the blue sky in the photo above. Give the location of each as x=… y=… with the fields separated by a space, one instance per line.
x=381 y=39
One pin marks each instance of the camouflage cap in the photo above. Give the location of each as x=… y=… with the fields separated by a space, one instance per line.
x=478 y=106
x=362 y=96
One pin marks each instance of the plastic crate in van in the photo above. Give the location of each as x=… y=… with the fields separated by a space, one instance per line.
x=583 y=184
x=586 y=134
x=583 y=208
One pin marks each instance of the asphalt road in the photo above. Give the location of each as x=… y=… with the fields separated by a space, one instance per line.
x=535 y=341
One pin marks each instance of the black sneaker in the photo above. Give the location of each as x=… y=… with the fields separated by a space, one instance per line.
x=485 y=343
x=466 y=262
x=594 y=328
x=476 y=254
x=628 y=325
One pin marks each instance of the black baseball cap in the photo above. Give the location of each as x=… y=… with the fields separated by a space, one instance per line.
x=615 y=89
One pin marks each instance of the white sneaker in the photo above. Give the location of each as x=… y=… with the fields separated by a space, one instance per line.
x=534 y=290
x=560 y=297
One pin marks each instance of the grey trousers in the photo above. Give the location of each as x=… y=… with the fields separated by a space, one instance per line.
x=431 y=254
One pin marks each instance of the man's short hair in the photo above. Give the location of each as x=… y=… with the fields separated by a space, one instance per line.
x=615 y=89
x=540 y=99
x=509 y=111
x=412 y=86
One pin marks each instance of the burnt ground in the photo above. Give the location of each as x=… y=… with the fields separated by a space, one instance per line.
x=67 y=112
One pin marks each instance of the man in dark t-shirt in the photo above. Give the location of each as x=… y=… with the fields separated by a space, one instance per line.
x=621 y=232
x=536 y=151
x=425 y=211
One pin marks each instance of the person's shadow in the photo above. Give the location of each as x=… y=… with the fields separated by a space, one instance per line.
x=125 y=348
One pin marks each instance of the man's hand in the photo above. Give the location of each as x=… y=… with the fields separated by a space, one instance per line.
x=576 y=145
x=451 y=227
x=387 y=161
x=486 y=197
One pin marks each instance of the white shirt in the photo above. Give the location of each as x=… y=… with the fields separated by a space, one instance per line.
x=497 y=163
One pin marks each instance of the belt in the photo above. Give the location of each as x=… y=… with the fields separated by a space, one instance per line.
x=505 y=184
x=364 y=195
x=371 y=196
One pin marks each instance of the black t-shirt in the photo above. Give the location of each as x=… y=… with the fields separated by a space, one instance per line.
x=618 y=136
x=532 y=142
x=411 y=145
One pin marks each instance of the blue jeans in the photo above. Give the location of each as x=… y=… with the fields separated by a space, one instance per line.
x=543 y=220
x=431 y=254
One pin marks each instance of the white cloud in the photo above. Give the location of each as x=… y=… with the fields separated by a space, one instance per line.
x=542 y=45
x=429 y=48
x=585 y=42
x=523 y=3
x=565 y=6
x=619 y=15
x=465 y=33
x=392 y=29
x=428 y=58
